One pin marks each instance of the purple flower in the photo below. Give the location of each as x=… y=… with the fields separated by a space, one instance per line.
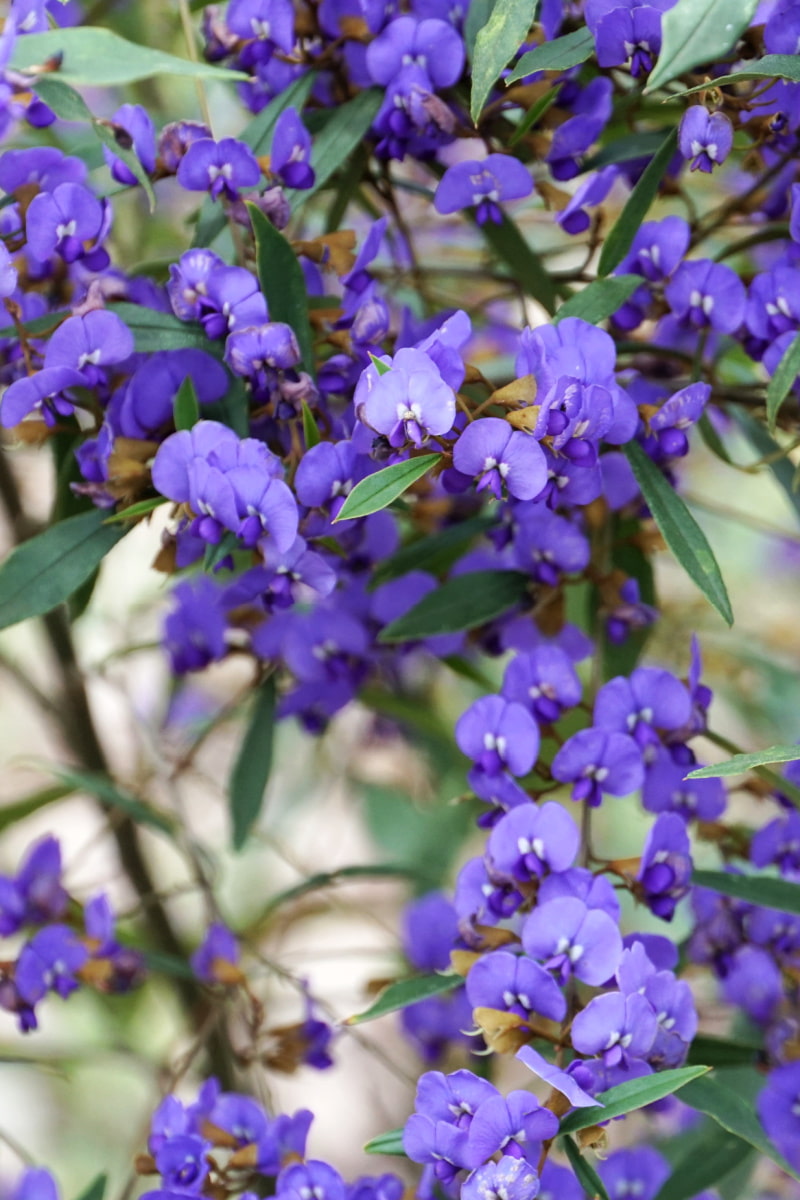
x=44 y=166
x=638 y=1172
x=572 y=939
x=516 y=1124
x=87 y=344
x=36 y=894
x=498 y=736
x=615 y=1026
x=427 y=1140
x=35 y=1183
x=181 y=1160
x=705 y=138
x=408 y=402
x=574 y=218
x=565 y=1082
x=571 y=140
x=430 y=930
x=598 y=762
x=509 y=1179
x=706 y=294
x=627 y=32
x=650 y=700
x=779 y=1110
x=454 y=1098
x=545 y=681
x=666 y=790
x=291 y=151
x=773 y=309
x=216 y=959
x=271 y=21
x=176 y=138
x=657 y=249
x=666 y=868
x=433 y=1025
x=145 y=406
x=547 y=545
x=313 y=1178
x=43 y=391
x=671 y=1000
x=326 y=473
x=8 y=273
x=432 y=46
x=497 y=455
x=220 y=168
x=559 y=1183
x=49 y=962
x=753 y=982
x=63 y=221
x=778 y=842
x=516 y=984
x=137 y=123
x=596 y=891
x=482 y=185
x=195 y=631
x=529 y=840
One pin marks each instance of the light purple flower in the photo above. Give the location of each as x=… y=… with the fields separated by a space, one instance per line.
x=291 y=151
x=704 y=138
x=498 y=736
x=64 y=221
x=615 y=1026
x=516 y=984
x=545 y=681
x=564 y=1081
x=432 y=46
x=706 y=294
x=408 y=402
x=530 y=840
x=599 y=762
x=515 y=1124
x=220 y=168
x=137 y=123
x=509 y=1179
x=572 y=939
x=43 y=391
x=482 y=185
x=497 y=455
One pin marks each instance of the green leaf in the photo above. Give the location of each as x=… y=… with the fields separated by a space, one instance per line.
x=386 y=1143
x=600 y=299
x=463 y=602
x=283 y=283
x=585 y=1173
x=745 y=762
x=534 y=113
x=381 y=367
x=558 y=55
x=783 y=379
x=311 y=432
x=342 y=134
x=625 y=149
x=114 y=797
x=18 y=810
x=698 y=31
x=96 y=1189
x=723 y=1103
x=154 y=330
x=44 y=571
x=620 y=239
x=405 y=993
x=771 y=66
x=326 y=879
x=496 y=43
x=627 y=1097
x=377 y=491
x=755 y=889
x=253 y=764
x=526 y=267
x=680 y=531
x=100 y=58
x=185 y=406
x=140 y=509
x=706 y=1163
x=434 y=553
x=722 y=1052
x=70 y=106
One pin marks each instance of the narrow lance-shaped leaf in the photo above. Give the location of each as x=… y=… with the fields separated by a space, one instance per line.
x=478 y=14
x=558 y=55
x=96 y=1190
x=45 y=571
x=600 y=299
x=620 y=239
x=755 y=889
x=283 y=283
x=386 y=1143
x=253 y=764
x=377 y=491
x=311 y=432
x=722 y=1052
x=405 y=993
x=783 y=380
x=698 y=31
x=463 y=602
x=185 y=406
x=745 y=762
x=680 y=531
x=114 y=797
x=712 y=1097
x=706 y=1163
x=585 y=1173
x=496 y=44
x=140 y=509
x=771 y=66
x=627 y=1097
x=154 y=330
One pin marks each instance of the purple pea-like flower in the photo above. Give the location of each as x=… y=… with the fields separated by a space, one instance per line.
x=516 y=984
x=559 y=1183
x=499 y=736
x=509 y=1179
x=657 y=249
x=36 y=894
x=666 y=790
x=651 y=699
x=407 y=403
x=483 y=185
x=638 y=1171
x=432 y=46
x=427 y=1140
x=325 y=474
x=182 y=1163
x=314 y=1178
x=497 y=456
x=706 y=294
x=44 y=391
x=146 y=404
x=195 y=631
x=779 y=1109
x=778 y=842
x=455 y=1097
x=42 y=165
x=216 y=959
x=567 y=1082
x=599 y=762
x=220 y=168
x=49 y=962
x=8 y=273
x=753 y=982
x=704 y=138
x=529 y=840
x=137 y=123
x=254 y=350
x=515 y=1124
x=291 y=151
x=87 y=344
x=595 y=891
x=548 y=545
x=64 y=221
x=615 y=1026
x=545 y=681
x=629 y=34
x=268 y=20
x=572 y=939
x=430 y=931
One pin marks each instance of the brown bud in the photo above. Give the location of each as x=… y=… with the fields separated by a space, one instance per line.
x=503 y=1032
x=462 y=960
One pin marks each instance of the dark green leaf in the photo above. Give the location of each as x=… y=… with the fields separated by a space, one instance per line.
x=722 y=1052
x=620 y=239
x=96 y=1189
x=381 y=367
x=463 y=602
x=44 y=571
x=534 y=113
x=168 y=964
x=100 y=58
x=745 y=762
x=377 y=491
x=343 y=133
x=755 y=889
x=558 y=55
x=283 y=283
x=140 y=509
x=114 y=797
x=496 y=43
x=18 y=810
x=70 y=106
x=627 y=1097
x=386 y=1143
x=526 y=267
x=712 y=1097
x=680 y=531
x=185 y=406
x=434 y=553
x=311 y=431
x=771 y=66
x=38 y=325
x=585 y=1173
x=698 y=31
x=600 y=299
x=253 y=764
x=707 y=1163
x=405 y=993
x=154 y=330
x=424 y=838
x=625 y=149
x=783 y=380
